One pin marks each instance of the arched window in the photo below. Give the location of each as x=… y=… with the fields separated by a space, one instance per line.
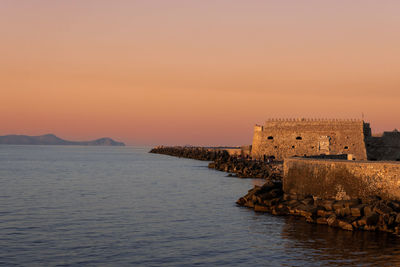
x=299 y=138
x=293 y=146
x=346 y=147
x=270 y=138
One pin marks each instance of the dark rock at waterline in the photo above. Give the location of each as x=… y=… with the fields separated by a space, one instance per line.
x=222 y=161
x=198 y=153
x=350 y=215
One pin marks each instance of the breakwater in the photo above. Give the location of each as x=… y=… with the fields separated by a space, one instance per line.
x=352 y=195
x=354 y=214
x=199 y=153
x=349 y=213
x=222 y=161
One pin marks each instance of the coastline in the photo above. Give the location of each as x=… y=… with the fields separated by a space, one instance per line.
x=371 y=214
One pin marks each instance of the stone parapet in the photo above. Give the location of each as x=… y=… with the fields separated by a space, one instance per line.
x=342 y=179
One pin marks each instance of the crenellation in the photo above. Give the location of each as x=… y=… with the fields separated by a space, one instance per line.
x=280 y=138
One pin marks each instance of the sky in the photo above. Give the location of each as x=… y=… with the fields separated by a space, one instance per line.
x=194 y=72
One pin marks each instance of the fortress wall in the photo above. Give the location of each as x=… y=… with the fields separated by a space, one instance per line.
x=385 y=147
x=341 y=179
x=286 y=138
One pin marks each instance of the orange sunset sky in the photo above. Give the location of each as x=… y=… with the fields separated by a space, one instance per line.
x=194 y=72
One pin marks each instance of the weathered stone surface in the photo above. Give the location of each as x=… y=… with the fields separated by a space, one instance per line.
x=362 y=221
x=297 y=137
x=322 y=220
x=259 y=208
x=328 y=204
x=346 y=214
x=249 y=204
x=382 y=208
x=308 y=201
x=372 y=219
x=286 y=138
x=357 y=211
x=342 y=212
x=367 y=211
x=342 y=179
x=345 y=225
x=332 y=221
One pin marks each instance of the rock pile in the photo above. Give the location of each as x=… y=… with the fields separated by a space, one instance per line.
x=198 y=153
x=356 y=214
x=244 y=168
x=222 y=161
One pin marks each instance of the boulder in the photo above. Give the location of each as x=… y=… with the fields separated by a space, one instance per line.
x=322 y=220
x=259 y=208
x=372 y=219
x=332 y=221
x=345 y=225
x=327 y=204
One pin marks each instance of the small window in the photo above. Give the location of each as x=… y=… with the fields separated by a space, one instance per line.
x=275 y=146
x=270 y=138
x=299 y=138
x=346 y=147
x=293 y=146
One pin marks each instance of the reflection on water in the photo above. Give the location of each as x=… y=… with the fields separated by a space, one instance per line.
x=121 y=206
x=329 y=245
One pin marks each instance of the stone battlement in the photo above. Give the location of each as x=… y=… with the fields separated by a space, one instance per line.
x=313 y=120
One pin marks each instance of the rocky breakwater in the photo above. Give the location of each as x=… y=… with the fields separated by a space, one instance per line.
x=198 y=153
x=371 y=214
x=244 y=168
x=222 y=161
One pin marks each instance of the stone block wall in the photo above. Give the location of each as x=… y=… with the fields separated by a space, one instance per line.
x=385 y=147
x=341 y=179
x=306 y=137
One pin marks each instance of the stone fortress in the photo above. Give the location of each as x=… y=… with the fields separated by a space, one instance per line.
x=283 y=138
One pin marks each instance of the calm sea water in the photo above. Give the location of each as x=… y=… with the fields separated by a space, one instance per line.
x=118 y=206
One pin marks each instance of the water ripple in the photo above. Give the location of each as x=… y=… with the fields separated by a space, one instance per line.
x=63 y=206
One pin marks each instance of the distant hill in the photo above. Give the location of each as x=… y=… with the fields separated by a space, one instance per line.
x=51 y=139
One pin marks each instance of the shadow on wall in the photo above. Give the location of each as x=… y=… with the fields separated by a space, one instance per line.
x=317 y=180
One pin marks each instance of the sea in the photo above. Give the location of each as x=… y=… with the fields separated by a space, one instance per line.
x=122 y=206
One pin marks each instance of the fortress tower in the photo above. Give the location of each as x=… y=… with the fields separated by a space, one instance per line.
x=281 y=138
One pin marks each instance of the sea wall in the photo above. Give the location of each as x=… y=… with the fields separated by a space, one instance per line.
x=342 y=179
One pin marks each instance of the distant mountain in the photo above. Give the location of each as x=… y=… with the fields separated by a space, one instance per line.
x=51 y=139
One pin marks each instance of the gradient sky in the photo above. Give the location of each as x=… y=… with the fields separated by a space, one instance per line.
x=194 y=72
